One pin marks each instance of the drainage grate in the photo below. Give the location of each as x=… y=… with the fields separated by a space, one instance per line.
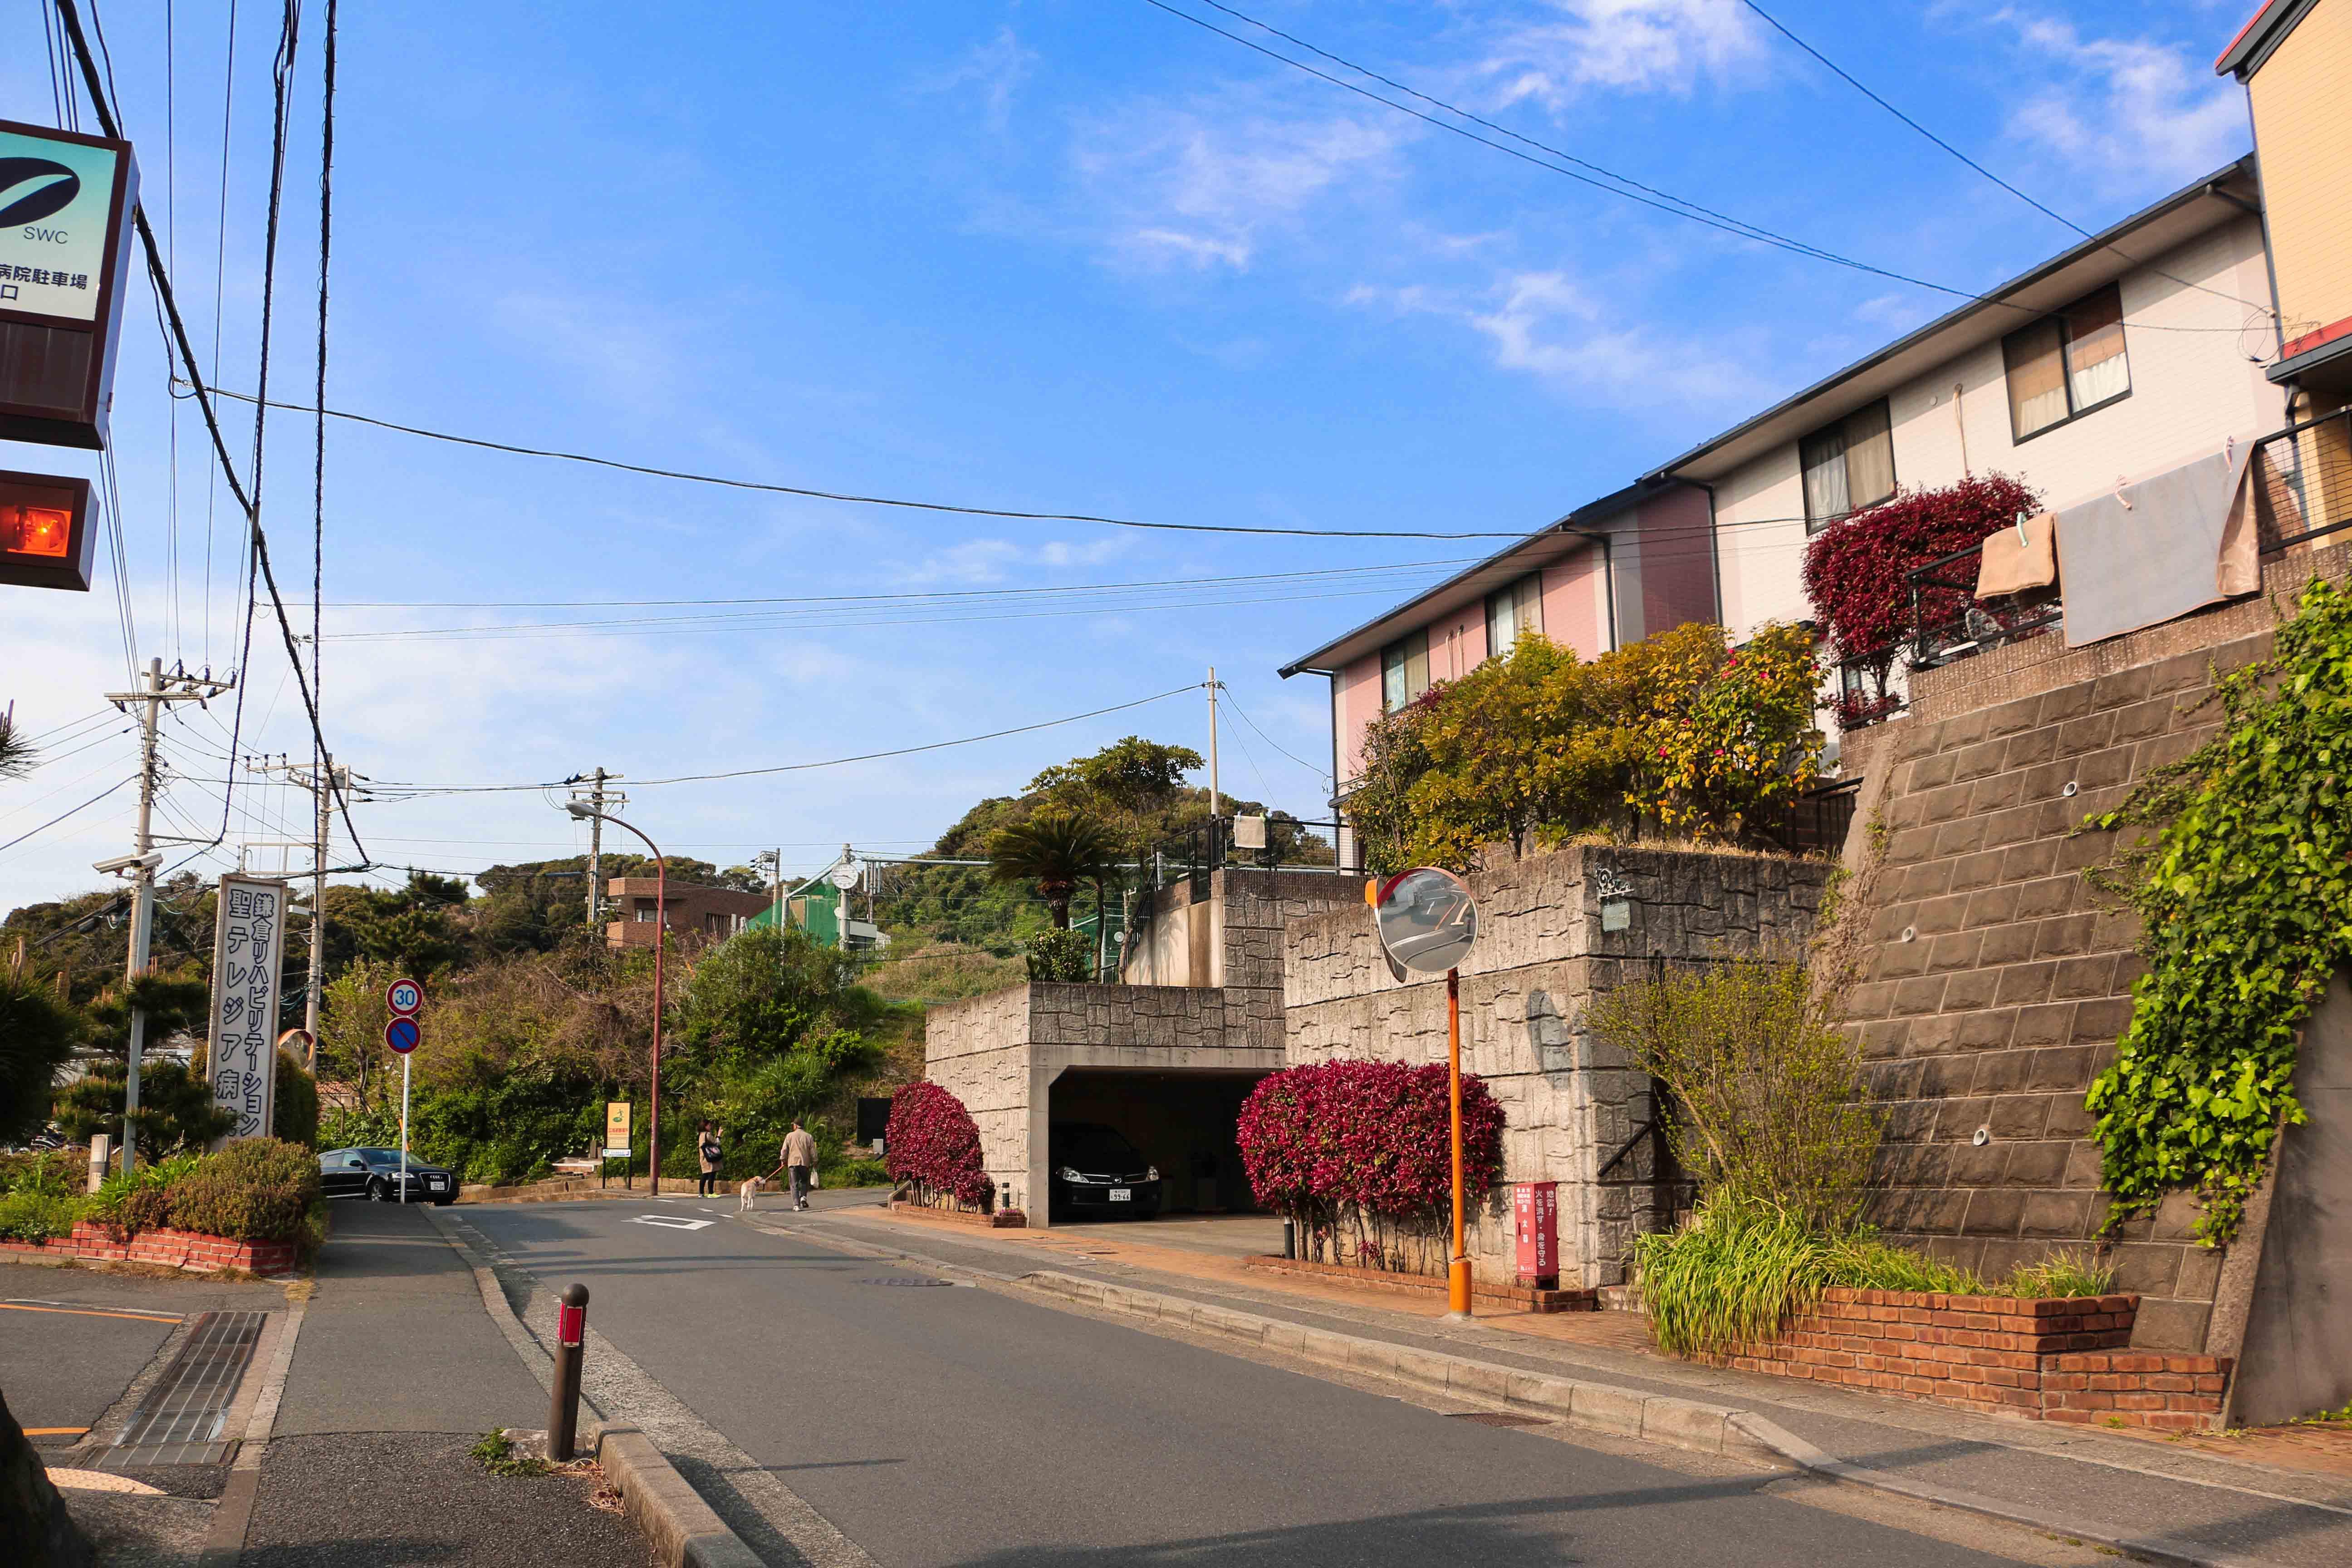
x=179 y=1422
x=902 y=1279
x=1498 y=1418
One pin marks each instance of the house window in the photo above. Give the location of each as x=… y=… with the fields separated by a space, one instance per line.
x=1405 y=671
x=1848 y=466
x=1512 y=610
x=2067 y=365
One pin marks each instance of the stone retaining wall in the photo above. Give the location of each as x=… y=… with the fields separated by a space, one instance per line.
x=1570 y=1106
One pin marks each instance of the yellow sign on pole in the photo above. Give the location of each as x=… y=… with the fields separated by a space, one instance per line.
x=616 y=1128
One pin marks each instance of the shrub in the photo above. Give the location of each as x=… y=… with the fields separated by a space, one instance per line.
x=933 y=1143
x=1681 y=733
x=1857 y=572
x=29 y=1214
x=1060 y=954
x=256 y=1189
x=1767 y=1095
x=294 y=1113
x=1743 y=1266
x=36 y=1038
x=1360 y=1154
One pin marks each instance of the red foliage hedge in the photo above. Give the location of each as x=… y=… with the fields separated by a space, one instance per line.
x=1856 y=571
x=1373 y=1136
x=932 y=1141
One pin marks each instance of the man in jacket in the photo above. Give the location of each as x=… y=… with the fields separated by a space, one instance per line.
x=799 y=1158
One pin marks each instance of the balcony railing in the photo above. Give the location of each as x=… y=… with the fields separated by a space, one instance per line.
x=2302 y=493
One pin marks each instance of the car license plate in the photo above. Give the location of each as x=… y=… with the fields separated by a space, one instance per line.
x=1122 y=1194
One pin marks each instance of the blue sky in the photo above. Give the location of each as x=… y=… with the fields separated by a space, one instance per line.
x=1046 y=256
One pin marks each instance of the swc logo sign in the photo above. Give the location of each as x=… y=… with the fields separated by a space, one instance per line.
x=32 y=189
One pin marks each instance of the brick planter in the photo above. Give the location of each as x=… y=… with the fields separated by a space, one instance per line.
x=2060 y=1358
x=1494 y=1293
x=1002 y=1220
x=192 y=1251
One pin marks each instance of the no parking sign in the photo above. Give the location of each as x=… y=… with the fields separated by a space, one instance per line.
x=401 y=1035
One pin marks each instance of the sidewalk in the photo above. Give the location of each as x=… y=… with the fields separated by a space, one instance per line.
x=398 y=1371
x=2202 y=1492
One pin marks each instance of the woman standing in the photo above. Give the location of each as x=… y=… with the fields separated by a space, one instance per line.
x=706 y=1146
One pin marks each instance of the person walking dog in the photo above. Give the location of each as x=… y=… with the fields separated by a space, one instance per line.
x=799 y=1158
x=706 y=1146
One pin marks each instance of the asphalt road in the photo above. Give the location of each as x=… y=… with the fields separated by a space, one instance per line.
x=63 y=1363
x=938 y=1426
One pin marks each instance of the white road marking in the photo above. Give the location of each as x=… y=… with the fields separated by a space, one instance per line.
x=671 y=1222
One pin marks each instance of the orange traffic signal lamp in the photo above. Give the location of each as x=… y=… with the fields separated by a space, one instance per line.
x=46 y=539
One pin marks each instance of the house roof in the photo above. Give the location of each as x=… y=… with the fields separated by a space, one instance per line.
x=2263 y=31
x=1546 y=544
x=2228 y=192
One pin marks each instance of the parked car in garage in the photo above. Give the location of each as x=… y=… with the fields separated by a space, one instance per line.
x=376 y=1173
x=1099 y=1174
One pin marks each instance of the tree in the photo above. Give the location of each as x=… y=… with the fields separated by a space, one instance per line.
x=1058 y=851
x=18 y=757
x=36 y=1038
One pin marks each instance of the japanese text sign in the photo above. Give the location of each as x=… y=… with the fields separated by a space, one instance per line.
x=248 y=942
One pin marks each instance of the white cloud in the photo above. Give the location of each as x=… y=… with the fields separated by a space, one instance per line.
x=2126 y=109
x=1199 y=185
x=1542 y=324
x=986 y=561
x=997 y=69
x=1640 y=46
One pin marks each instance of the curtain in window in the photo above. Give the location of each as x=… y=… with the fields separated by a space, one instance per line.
x=1393 y=695
x=1869 y=457
x=1825 y=490
x=1527 y=603
x=1512 y=610
x=2035 y=361
x=2096 y=366
x=1405 y=671
x=1416 y=665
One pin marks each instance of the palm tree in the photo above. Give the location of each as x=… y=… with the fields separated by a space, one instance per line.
x=1058 y=851
x=16 y=757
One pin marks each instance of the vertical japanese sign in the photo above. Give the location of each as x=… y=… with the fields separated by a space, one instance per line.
x=248 y=941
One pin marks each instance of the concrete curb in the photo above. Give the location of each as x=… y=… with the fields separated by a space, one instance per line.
x=684 y=1530
x=1603 y=1407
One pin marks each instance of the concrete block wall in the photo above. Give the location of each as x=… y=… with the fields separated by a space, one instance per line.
x=1541 y=957
x=1997 y=978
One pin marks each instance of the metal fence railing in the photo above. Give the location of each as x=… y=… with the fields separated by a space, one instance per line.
x=1284 y=842
x=2304 y=489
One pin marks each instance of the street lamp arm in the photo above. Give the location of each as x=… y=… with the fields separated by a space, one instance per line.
x=661 y=930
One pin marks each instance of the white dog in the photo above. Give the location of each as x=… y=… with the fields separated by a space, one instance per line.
x=749 y=1194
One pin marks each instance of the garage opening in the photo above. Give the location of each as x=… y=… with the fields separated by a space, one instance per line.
x=1180 y=1122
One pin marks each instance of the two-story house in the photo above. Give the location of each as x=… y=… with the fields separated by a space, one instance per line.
x=2139 y=349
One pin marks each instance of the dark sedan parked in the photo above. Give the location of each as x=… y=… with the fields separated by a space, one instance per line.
x=376 y=1173
x=1098 y=1174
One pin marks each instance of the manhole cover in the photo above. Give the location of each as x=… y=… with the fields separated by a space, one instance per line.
x=1498 y=1418
x=901 y=1280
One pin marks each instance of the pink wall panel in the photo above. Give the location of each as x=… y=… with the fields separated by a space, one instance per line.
x=1571 y=603
x=1677 y=559
x=1358 y=704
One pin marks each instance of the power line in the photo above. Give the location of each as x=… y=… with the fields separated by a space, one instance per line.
x=1624 y=188
x=1321 y=773
x=416 y=790
x=1847 y=77
x=52 y=822
x=160 y=280
x=853 y=499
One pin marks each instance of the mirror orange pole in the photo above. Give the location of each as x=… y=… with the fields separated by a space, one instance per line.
x=1457 y=1270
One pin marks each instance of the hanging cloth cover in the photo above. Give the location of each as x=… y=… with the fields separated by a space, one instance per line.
x=2009 y=565
x=2155 y=550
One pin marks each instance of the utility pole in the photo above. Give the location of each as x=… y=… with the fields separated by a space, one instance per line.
x=154 y=691
x=1212 y=759
x=596 y=798
x=323 y=783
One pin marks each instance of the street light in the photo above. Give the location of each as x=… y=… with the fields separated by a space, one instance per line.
x=581 y=809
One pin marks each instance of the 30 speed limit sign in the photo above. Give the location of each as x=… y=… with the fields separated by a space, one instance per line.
x=404 y=998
